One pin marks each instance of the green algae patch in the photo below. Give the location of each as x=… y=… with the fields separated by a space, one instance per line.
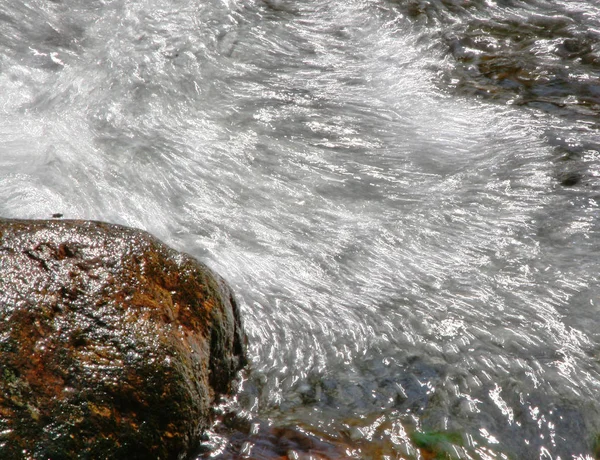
x=437 y=444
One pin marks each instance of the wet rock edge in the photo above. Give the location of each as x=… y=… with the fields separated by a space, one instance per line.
x=111 y=343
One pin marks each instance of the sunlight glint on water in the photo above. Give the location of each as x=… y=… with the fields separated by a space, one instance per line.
x=398 y=250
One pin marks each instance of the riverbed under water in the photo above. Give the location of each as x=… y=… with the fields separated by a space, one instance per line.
x=403 y=195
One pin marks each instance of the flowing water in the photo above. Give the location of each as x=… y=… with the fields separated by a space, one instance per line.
x=404 y=196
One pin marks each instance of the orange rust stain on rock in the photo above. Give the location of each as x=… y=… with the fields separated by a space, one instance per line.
x=124 y=324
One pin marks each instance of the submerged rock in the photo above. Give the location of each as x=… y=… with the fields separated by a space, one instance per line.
x=112 y=345
x=569 y=179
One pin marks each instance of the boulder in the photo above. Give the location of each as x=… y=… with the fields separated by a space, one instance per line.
x=112 y=345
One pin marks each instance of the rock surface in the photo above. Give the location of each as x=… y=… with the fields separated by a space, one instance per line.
x=112 y=345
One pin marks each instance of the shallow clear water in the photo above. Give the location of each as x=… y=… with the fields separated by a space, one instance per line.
x=407 y=254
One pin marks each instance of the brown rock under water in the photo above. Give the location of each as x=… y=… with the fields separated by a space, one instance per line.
x=112 y=345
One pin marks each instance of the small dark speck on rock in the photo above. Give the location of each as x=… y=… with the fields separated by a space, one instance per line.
x=57 y=215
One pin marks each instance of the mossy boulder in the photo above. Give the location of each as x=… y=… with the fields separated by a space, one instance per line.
x=112 y=345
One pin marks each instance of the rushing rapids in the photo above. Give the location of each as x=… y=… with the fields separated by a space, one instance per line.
x=403 y=195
